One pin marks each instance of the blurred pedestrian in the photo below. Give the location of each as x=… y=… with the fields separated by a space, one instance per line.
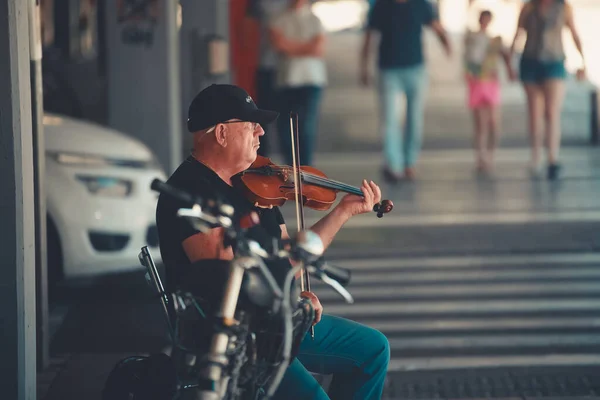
x=263 y=12
x=401 y=67
x=482 y=56
x=299 y=37
x=542 y=72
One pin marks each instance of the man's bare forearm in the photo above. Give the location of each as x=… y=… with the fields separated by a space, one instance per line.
x=329 y=225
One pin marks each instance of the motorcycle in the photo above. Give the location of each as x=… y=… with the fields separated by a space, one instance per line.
x=239 y=347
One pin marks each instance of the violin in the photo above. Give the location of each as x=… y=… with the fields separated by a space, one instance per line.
x=266 y=185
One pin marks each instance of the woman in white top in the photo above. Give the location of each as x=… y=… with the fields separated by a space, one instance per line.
x=298 y=36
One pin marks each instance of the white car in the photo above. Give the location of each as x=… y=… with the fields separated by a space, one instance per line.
x=100 y=208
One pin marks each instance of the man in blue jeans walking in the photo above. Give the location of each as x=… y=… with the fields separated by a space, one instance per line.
x=402 y=70
x=227 y=125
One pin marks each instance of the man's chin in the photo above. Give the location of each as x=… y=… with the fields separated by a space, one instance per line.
x=252 y=159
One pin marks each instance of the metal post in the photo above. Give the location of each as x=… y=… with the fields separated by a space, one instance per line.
x=39 y=161
x=17 y=227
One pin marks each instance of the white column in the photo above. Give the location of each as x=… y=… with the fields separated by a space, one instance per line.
x=17 y=256
x=143 y=75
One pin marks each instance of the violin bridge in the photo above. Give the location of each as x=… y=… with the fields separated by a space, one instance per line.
x=270 y=206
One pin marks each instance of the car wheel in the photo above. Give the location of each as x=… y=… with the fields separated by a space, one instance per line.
x=54 y=257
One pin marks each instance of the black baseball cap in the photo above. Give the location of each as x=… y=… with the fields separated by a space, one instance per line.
x=221 y=102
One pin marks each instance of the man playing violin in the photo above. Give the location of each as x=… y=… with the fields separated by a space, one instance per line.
x=226 y=125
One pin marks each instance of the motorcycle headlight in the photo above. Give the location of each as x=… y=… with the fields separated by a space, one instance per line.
x=106 y=186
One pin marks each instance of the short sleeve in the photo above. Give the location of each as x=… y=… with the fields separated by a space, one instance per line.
x=430 y=12
x=167 y=207
x=278 y=216
x=374 y=21
x=183 y=228
x=168 y=223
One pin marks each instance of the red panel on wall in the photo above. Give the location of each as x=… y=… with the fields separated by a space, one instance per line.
x=244 y=58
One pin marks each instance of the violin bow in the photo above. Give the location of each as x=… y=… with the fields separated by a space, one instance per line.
x=305 y=278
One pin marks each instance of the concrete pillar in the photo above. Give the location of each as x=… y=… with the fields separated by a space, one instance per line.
x=204 y=38
x=143 y=75
x=17 y=261
x=39 y=172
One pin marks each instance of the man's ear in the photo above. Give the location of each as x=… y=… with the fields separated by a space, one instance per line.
x=221 y=135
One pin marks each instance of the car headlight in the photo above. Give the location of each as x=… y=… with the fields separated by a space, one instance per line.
x=89 y=160
x=80 y=159
x=106 y=186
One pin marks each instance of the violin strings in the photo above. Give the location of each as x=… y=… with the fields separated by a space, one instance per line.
x=329 y=183
x=333 y=184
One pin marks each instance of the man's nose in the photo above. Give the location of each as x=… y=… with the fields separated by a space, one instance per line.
x=259 y=130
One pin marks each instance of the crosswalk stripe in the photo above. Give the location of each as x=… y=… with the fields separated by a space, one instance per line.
x=460 y=325
x=447 y=363
x=495 y=341
x=468 y=261
x=386 y=290
x=390 y=309
x=591 y=272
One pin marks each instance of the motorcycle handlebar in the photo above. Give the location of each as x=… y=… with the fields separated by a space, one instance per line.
x=342 y=275
x=164 y=188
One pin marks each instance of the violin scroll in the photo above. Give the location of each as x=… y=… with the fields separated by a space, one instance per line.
x=383 y=208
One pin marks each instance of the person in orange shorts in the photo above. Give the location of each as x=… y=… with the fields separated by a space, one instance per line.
x=482 y=54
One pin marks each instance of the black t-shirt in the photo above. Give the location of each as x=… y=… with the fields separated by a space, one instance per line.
x=400 y=25
x=196 y=178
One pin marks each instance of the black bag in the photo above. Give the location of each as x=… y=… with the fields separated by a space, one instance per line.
x=142 y=378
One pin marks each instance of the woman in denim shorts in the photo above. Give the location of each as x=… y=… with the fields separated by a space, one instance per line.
x=542 y=71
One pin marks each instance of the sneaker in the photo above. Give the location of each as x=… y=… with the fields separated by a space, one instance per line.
x=391 y=176
x=553 y=171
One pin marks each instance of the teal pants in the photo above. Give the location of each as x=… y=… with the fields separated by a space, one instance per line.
x=357 y=356
x=402 y=147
